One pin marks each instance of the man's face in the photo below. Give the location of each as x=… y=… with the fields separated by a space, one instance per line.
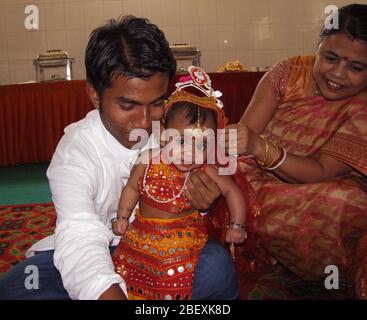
x=133 y=103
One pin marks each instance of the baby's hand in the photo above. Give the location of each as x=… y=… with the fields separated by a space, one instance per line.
x=235 y=235
x=120 y=226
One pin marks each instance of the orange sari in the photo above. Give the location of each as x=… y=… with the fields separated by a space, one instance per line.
x=307 y=227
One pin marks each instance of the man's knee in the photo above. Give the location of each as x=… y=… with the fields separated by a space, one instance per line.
x=215 y=274
x=34 y=278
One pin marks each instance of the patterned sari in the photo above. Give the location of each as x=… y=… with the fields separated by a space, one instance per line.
x=307 y=227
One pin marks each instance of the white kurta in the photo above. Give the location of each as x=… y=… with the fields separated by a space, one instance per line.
x=86 y=175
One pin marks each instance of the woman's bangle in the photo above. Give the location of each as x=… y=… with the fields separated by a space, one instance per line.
x=262 y=162
x=277 y=165
x=277 y=156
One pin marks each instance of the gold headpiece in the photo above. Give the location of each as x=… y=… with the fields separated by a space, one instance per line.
x=199 y=80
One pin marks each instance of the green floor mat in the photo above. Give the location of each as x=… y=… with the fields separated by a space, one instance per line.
x=24 y=184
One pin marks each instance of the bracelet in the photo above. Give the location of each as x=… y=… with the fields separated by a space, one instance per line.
x=280 y=162
x=235 y=225
x=125 y=209
x=119 y=217
x=277 y=156
x=262 y=163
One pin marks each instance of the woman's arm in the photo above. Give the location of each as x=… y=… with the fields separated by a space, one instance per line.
x=295 y=169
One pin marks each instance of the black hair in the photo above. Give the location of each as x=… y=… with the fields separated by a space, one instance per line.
x=129 y=46
x=190 y=112
x=352 y=21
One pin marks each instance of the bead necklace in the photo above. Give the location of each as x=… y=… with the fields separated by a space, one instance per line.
x=175 y=196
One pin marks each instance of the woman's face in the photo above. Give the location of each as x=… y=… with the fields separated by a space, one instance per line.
x=340 y=69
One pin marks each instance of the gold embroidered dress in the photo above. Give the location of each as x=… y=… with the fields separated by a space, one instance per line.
x=157 y=257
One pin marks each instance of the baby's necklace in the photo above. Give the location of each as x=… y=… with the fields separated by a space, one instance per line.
x=175 y=196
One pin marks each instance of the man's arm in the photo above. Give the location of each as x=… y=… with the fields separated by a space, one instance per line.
x=81 y=239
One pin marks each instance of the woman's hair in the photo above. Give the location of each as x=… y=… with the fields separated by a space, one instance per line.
x=352 y=21
x=129 y=46
x=190 y=112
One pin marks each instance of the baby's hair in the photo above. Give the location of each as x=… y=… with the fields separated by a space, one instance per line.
x=190 y=112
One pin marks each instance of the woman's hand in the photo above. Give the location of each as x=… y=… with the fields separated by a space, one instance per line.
x=246 y=140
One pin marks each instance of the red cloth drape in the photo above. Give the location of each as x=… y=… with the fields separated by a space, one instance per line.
x=33 y=116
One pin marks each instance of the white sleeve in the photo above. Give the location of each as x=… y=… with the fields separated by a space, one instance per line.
x=82 y=240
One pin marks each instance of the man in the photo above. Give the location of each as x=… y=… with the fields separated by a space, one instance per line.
x=128 y=65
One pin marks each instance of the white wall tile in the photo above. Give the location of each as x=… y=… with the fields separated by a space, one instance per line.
x=74 y=15
x=208 y=37
x=191 y=35
x=189 y=10
x=3 y=10
x=245 y=37
x=226 y=12
x=14 y=17
x=37 y=43
x=56 y=40
x=17 y=48
x=19 y=71
x=54 y=15
x=173 y=34
x=93 y=13
x=207 y=12
x=210 y=60
x=112 y=9
x=226 y=37
x=256 y=32
x=4 y=46
x=76 y=41
x=132 y=7
x=151 y=9
x=171 y=13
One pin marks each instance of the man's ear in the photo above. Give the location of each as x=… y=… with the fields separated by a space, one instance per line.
x=93 y=95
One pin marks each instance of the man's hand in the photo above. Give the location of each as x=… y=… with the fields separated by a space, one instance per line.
x=113 y=293
x=201 y=191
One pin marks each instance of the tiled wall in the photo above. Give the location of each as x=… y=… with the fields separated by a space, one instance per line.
x=256 y=32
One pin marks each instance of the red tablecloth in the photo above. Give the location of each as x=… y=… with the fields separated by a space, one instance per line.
x=33 y=116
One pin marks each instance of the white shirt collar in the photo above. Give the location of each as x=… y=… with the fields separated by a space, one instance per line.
x=115 y=147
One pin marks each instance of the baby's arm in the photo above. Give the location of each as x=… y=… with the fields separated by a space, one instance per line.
x=235 y=202
x=129 y=198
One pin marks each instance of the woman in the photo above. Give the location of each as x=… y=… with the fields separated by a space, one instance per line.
x=306 y=129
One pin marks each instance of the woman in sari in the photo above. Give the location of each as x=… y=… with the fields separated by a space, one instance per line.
x=304 y=141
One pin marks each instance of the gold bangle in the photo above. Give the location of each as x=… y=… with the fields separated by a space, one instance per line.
x=262 y=163
x=276 y=157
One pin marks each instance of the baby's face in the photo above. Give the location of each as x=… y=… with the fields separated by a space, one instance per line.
x=187 y=149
